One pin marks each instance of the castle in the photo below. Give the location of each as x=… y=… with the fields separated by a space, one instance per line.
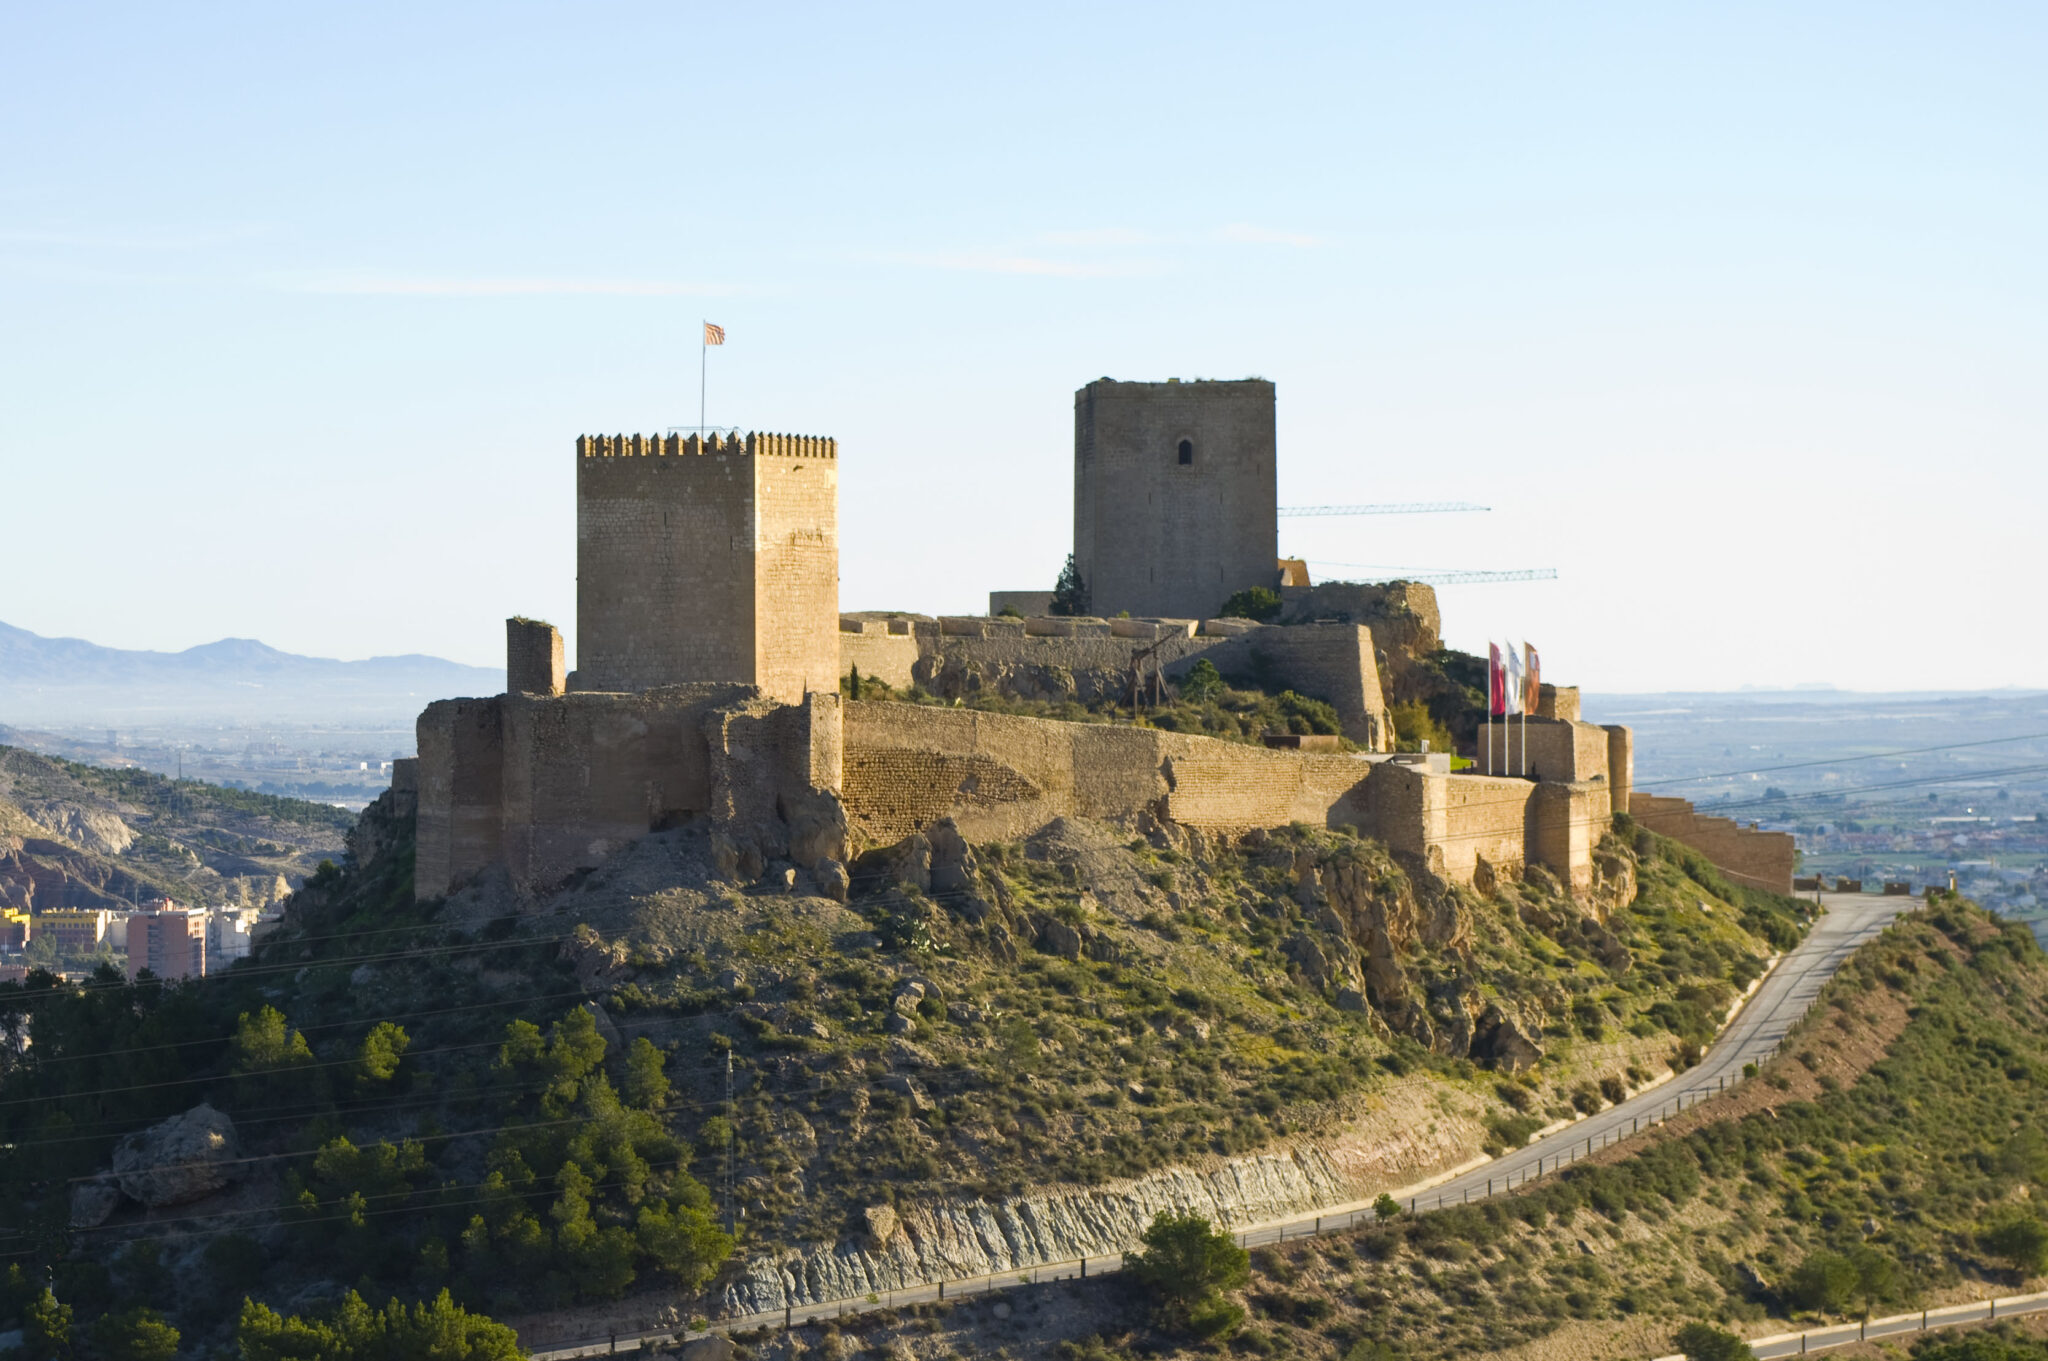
x=712 y=650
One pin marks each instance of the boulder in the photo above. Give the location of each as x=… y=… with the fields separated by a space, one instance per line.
x=907 y=864
x=882 y=1226
x=832 y=880
x=952 y=864
x=1055 y=937
x=185 y=1158
x=710 y=1347
x=605 y=1027
x=93 y=1203
x=817 y=833
x=1499 y=1040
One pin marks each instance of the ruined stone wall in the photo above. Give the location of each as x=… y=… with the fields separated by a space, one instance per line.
x=1091 y=659
x=1747 y=855
x=533 y=657
x=1555 y=749
x=545 y=786
x=1158 y=536
x=1002 y=777
x=707 y=561
x=868 y=644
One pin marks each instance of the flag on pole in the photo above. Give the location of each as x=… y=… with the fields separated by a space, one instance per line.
x=1496 y=682
x=1515 y=693
x=713 y=335
x=1533 y=679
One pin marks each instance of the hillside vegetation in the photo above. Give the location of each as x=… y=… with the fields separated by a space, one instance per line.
x=1892 y=1157
x=523 y=1103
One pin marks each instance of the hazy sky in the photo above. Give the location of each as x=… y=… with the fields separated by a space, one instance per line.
x=1728 y=311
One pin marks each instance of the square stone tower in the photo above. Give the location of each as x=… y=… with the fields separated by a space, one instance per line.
x=707 y=560
x=1174 y=494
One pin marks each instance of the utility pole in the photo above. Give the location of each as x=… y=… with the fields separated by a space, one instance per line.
x=731 y=1137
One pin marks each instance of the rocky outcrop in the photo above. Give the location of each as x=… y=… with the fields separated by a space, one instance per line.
x=185 y=1158
x=1500 y=1040
x=957 y=1239
x=93 y=1203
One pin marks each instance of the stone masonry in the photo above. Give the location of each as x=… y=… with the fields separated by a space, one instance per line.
x=533 y=658
x=707 y=561
x=1174 y=494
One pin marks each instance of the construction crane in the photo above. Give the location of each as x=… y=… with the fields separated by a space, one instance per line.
x=1397 y=508
x=1453 y=576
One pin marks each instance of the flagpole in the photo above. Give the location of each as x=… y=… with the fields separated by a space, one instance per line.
x=703 y=367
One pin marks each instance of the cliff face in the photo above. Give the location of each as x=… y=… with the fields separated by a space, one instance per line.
x=80 y=836
x=952 y=1240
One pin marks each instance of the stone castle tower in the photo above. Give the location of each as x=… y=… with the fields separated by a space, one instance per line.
x=707 y=560
x=1174 y=494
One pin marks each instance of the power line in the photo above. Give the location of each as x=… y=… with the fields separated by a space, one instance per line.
x=1396 y=508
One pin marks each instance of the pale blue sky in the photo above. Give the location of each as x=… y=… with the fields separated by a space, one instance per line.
x=1734 y=313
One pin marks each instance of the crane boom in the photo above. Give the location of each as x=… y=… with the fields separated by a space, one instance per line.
x=1469 y=578
x=1397 y=508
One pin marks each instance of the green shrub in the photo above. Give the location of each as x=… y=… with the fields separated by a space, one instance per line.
x=1253 y=602
x=1186 y=1265
x=1704 y=1342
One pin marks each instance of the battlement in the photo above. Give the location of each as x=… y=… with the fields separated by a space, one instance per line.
x=750 y=445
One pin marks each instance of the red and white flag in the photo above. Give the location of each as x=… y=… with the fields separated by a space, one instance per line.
x=1496 y=682
x=1515 y=691
x=713 y=335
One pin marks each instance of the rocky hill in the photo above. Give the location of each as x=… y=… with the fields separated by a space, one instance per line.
x=82 y=836
x=1891 y=1159
x=972 y=1057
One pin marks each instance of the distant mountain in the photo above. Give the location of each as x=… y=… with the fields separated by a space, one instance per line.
x=71 y=680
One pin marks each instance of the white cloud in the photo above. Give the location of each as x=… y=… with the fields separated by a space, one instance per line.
x=980 y=262
x=385 y=285
x=1100 y=236
x=1243 y=233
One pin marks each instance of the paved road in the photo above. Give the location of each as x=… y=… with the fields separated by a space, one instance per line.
x=1754 y=1035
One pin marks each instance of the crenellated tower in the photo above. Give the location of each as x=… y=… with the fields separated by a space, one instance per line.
x=707 y=559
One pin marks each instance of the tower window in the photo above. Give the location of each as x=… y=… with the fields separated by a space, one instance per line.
x=1187 y=451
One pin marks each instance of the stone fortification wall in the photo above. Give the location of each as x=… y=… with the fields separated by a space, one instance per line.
x=1621 y=766
x=707 y=561
x=1026 y=603
x=1046 y=658
x=1174 y=494
x=545 y=786
x=1002 y=777
x=533 y=658
x=1760 y=859
x=1403 y=616
x=1543 y=749
x=881 y=649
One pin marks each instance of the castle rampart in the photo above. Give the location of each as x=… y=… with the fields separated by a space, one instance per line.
x=1747 y=855
x=545 y=786
x=1057 y=658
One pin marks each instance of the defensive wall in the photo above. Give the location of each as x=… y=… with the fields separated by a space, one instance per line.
x=1002 y=777
x=1175 y=489
x=1054 y=658
x=548 y=785
x=1747 y=855
x=707 y=560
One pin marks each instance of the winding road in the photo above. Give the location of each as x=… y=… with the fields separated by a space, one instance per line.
x=1852 y=919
